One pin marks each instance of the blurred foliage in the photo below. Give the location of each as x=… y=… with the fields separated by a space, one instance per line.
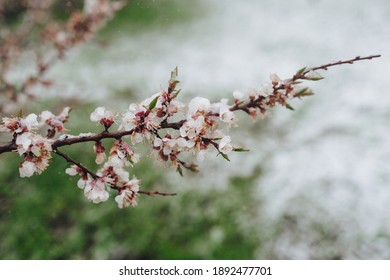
x=140 y=15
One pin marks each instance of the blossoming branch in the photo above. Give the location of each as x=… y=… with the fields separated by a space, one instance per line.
x=171 y=128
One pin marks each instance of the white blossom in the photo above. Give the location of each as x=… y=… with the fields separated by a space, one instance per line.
x=174 y=106
x=102 y=115
x=19 y=125
x=238 y=95
x=126 y=199
x=224 y=145
x=252 y=93
x=46 y=115
x=23 y=141
x=81 y=183
x=157 y=142
x=57 y=122
x=223 y=110
x=27 y=169
x=274 y=78
x=29 y=123
x=192 y=127
x=198 y=104
x=95 y=191
x=72 y=171
x=127 y=196
x=266 y=90
x=138 y=115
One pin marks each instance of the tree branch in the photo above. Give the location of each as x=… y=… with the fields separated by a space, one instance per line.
x=340 y=62
x=82 y=167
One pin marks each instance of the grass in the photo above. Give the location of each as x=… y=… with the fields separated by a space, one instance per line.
x=140 y=16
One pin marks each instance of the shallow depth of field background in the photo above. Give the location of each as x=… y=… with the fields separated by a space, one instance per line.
x=316 y=184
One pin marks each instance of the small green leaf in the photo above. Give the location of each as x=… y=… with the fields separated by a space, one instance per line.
x=288 y=106
x=224 y=156
x=304 y=92
x=176 y=93
x=316 y=78
x=240 y=150
x=153 y=103
x=300 y=71
x=179 y=170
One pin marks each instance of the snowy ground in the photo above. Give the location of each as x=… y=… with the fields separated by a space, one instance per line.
x=329 y=161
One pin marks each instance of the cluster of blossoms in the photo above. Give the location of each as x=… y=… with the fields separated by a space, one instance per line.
x=32 y=146
x=171 y=128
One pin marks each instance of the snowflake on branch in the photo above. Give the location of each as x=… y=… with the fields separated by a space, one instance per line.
x=200 y=129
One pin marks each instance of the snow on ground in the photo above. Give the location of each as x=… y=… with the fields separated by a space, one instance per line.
x=333 y=151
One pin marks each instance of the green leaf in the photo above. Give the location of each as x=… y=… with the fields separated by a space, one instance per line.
x=316 y=78
x=300 y=71
x=179 y=170
x=153 y=103
x=304 y=92
x=240 y=150
x=288 y=106
x=176 y=93
x=224 y=156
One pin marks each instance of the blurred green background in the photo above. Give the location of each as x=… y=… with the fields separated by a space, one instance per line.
x=315 y=184
x=47 y=216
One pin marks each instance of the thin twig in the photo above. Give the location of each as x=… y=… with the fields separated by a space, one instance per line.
x=340 y=62
x=82 y=167
x=95 y=176
x=153 y=193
